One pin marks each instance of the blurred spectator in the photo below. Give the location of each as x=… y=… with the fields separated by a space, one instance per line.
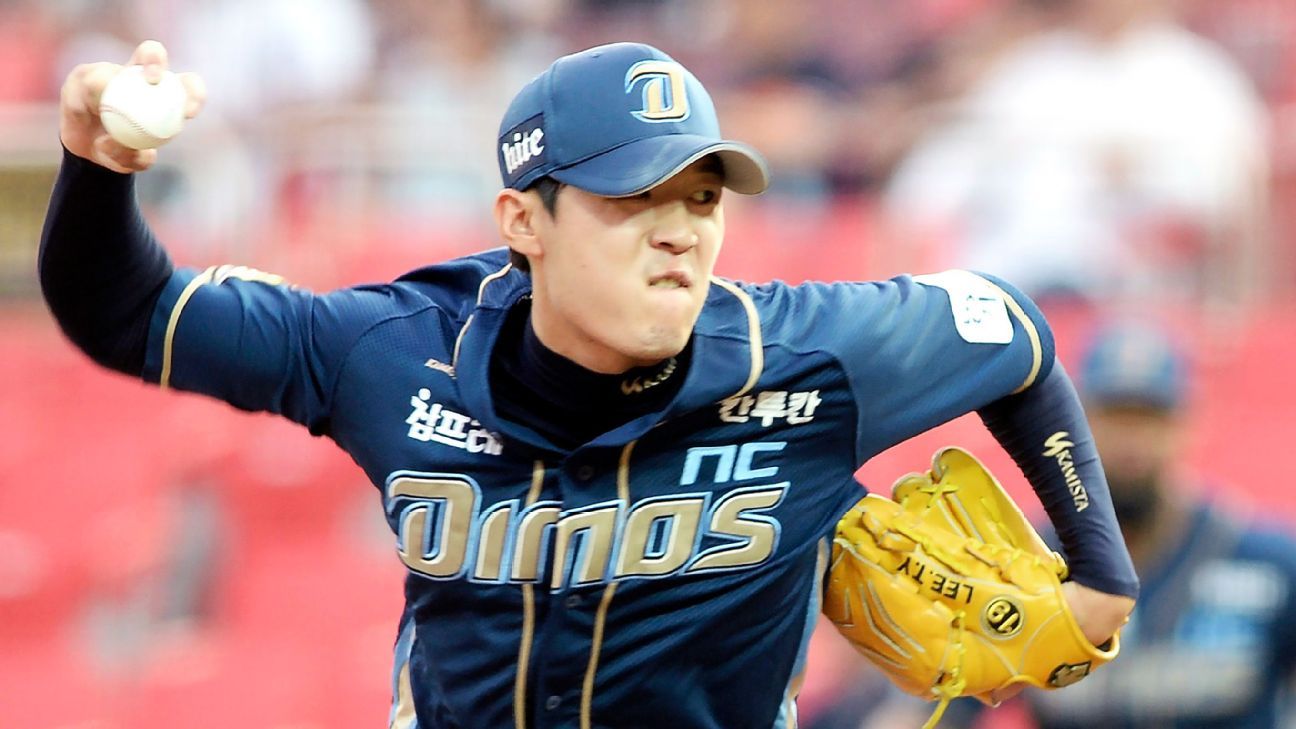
x=447 y=70
x=1258 y=33
x=1113 y=154
x=1212 y=643
x=263 y=54
x=830 y=92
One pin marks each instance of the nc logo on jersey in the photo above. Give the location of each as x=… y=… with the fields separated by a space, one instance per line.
x=665 y=97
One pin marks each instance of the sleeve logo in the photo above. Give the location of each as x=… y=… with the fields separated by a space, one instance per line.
x=1058 y=447
x=980 y=313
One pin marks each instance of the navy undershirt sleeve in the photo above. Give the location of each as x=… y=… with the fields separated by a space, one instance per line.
x=101 y=270
x=1045 y=431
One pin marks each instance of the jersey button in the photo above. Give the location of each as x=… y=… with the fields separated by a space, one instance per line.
x=552 y=702
x=573 y=601
x=585 y=473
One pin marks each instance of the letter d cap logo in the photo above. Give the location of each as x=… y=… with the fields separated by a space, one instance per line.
x=665 y=91
x=620 y=119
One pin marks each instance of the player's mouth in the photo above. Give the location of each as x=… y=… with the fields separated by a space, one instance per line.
x=671 y=280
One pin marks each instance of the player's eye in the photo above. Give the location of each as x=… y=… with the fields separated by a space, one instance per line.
x=705 y=197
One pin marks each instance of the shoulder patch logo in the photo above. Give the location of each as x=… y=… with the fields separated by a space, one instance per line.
x=980 y=313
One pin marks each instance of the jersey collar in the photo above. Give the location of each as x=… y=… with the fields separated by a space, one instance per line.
x=728 y=357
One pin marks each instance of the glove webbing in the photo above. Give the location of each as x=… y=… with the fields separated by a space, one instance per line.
x=951 y=684
x=1000 y=556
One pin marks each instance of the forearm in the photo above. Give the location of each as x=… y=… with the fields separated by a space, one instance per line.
x=101 y=270
x=1045 y=431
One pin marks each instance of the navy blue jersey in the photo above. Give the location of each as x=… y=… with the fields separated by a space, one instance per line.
x=1211 y=645
x=667 y=573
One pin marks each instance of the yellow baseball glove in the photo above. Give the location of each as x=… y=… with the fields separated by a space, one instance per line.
x=951 y=592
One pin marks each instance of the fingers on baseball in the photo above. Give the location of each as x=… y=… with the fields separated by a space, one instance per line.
x=196 y=91
x=112 y=154
x=85 y=85
x=152 y=55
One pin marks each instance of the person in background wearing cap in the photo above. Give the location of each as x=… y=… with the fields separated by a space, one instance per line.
x=613 y=477
x=1212 y=643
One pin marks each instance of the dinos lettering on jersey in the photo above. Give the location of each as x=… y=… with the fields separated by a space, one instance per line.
x=432 y=422
x=444 y=532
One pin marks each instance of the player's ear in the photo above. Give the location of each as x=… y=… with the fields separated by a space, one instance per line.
x=515 y=215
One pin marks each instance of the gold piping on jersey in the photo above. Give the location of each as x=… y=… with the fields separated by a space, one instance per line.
x=404 y=718
x=168 y=342
x=596 y=642
x=1031 y=333
x=754 y=339
x=528 y=617
x=794 y=687
x=481 y=291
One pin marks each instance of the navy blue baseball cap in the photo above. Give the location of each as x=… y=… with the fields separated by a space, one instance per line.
x=1133 y=365
x=617 y=120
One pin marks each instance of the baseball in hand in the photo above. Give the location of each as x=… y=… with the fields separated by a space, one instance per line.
x=141 y=115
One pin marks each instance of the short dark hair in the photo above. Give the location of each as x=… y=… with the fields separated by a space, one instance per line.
x=547 y=188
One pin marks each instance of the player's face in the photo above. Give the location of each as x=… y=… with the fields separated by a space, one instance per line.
x=620 y=281
x=1138 y=447
x=1134 y=442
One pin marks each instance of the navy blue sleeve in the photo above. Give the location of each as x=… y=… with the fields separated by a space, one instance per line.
x=245 y=336
x=101 y=271
x=1045 y=431
x=920 y=351
x=258 y=343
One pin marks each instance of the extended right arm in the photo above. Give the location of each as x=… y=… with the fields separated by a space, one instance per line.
x=101 y=270
x=229 y=332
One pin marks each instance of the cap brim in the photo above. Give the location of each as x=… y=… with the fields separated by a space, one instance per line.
x=645 y=163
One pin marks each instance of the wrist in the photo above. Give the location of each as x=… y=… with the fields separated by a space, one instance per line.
x=1099 y=614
